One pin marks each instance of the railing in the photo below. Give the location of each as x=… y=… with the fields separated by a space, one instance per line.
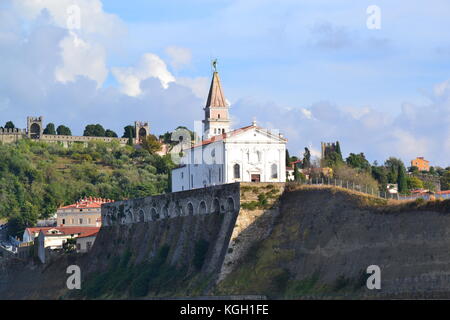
x=351 y=185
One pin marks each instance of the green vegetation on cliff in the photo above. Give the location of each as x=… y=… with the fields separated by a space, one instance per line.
x=36 y=178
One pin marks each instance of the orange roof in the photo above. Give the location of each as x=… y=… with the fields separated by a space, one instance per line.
x=87 y=203
x=443 y=192
x=81 y=231
x=89 y=234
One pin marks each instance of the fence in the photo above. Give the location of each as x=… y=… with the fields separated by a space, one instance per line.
x=351 y=185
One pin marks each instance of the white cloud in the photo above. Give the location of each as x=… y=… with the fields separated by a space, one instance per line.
x=83 y=50
x=199 y=85
x=80 y=58
x=150 y=66
x=179 y=57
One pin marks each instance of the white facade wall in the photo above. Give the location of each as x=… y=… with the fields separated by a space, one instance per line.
x=85 y=244
x=256 y=152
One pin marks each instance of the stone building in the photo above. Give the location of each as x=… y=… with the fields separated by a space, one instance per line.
x=248 y=154
x=85 y=212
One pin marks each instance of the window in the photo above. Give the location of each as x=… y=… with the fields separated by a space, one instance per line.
x=78 y=246
x=274 y=171
x=89 y=220
x=63 y=221
x=237 y=171
x=81 y=221
x=88 y=246
x=219 y=115
x=182 y=175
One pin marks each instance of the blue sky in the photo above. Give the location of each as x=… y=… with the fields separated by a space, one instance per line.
x=309 y=68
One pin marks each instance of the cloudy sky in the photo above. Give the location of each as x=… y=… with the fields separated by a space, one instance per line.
x=312 y=69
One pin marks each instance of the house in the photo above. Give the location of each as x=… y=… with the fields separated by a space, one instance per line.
x=85 y=212
x=56 y=236
x=86 y=241
x=421 y=164
x=247 y=154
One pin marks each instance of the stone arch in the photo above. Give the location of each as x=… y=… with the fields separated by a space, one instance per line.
x=154 y=214
x=141 y=216
x=190 y=209
x=129 y=217
x=165 y=212
x=215 y=208
x=202 y=209
x=230 y=205
x=142 y=134
x=35 y=131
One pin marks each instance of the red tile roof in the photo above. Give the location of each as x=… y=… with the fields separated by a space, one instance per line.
x=87 y=203
x=226 y=135
x=81 y=231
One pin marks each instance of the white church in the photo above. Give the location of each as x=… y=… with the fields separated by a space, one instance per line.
x=248 y=154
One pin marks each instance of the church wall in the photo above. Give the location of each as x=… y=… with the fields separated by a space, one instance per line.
x=256 y=159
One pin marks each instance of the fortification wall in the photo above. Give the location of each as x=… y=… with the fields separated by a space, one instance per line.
x=68 y=140
x=11 y=135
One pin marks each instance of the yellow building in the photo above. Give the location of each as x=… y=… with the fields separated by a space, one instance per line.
x=421 y=163
x=85 y=213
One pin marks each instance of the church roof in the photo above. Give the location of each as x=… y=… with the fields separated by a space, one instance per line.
x=225 y=135
x=216 y=97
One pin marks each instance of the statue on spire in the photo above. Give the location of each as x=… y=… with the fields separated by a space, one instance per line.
x=214 y=65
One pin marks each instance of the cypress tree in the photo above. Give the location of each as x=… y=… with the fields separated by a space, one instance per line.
x=402 y=181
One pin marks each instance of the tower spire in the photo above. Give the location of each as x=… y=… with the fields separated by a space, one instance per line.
x=216 y=110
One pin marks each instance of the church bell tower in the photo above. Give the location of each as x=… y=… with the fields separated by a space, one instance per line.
x=217 y=119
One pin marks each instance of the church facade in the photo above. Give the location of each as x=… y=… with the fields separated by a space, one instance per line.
x=248 y=154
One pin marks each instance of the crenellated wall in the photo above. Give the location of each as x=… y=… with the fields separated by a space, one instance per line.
x=11 y=135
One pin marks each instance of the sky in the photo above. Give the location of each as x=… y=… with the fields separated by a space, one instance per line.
x=312 y=69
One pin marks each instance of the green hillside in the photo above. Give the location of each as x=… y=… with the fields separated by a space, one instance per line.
x=36 y=178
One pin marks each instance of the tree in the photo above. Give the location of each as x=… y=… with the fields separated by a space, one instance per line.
x=332 y=159
x=307 y=159
x=338 y=149
x=50 y=129
x=380 y=174
x=151 y=144
x=288 y=158
x=129 y=131
x=402 y=181
x=9 y=125
x=94 y=130
x=445 y=180
x=298 y=176
x=358 y=161
x=392 y=165
x=414 y=183
x=63 y=131
x=110 y=134
x=413 y=169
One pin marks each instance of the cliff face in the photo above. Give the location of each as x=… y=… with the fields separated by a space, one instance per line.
x=324 y=239
x=310 y=242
